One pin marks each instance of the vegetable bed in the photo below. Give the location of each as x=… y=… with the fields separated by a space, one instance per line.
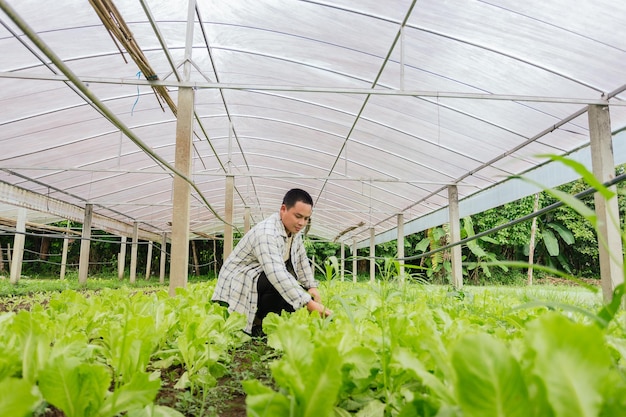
x=390 y=349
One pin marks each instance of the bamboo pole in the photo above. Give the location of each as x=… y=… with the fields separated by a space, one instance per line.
x=119 y=30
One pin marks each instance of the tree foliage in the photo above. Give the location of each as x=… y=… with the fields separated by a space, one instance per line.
x=565 y=241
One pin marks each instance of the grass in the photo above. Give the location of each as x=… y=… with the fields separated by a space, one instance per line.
x=30 y=285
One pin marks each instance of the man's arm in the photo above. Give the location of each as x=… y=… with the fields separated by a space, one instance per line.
x=269 y=252
x=303 y=267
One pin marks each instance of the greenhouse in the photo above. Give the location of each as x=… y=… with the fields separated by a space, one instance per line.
x=169 y=123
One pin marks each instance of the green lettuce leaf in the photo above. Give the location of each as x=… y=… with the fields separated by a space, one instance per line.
x=262 y=401
x=154 y=410
x=489 y=382
x=76 y=388
x=136 y=394
x=572 y=361
x=17 y=398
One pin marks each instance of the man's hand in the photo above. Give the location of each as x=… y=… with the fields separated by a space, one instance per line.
x=316 y=303
x=315 y=306
x=315 y=294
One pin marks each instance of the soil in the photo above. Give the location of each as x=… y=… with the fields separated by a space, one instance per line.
x=227 y=399
x=567 y=282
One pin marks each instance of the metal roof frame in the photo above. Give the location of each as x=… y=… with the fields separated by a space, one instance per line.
x=373 y=107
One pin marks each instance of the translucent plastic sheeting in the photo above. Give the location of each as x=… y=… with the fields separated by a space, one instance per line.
x=373 y=107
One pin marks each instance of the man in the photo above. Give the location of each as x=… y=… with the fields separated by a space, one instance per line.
x=268 y=271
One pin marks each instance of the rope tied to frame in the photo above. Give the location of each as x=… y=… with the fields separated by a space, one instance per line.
x=132 y=110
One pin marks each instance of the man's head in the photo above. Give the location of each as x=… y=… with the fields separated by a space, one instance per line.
x=296 y=210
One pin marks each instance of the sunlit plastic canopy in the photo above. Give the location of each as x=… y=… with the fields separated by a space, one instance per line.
x=374 y=107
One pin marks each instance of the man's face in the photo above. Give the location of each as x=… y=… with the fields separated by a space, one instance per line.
x=297 y=217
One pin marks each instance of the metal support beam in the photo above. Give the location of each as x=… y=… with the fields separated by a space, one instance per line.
x=173 y=84
x=609 y=236
x=455 y=236
x=20 y=197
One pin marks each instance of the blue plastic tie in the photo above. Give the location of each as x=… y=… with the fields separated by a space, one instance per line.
x=137 y=100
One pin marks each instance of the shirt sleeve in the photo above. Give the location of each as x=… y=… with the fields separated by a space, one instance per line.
x=269 y=251
x=304 y=271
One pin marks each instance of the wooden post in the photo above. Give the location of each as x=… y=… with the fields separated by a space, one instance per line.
x=163 y=258
x=133 y=253
x=246 y=219
x=228 y=215
x=66 y=243
x=354 y=262
x=18 y=246
x=149 y=260
x=85 y=245
x=400 y=245
x=181 y=196
x=455 y=236
x=531 y=244
x=607 y=211
x=215 y=257
x=372 y=255
x=179 y=258
x=342 y=265
x=194 y=251
x=121 y=258
x=9 y=256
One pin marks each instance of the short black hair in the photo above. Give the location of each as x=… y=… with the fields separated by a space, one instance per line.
x=296 y=194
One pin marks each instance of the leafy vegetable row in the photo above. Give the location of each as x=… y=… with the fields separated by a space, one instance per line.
x=101 y=355
x=409 y=351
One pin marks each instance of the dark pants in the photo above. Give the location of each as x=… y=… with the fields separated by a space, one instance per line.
x=270 y=300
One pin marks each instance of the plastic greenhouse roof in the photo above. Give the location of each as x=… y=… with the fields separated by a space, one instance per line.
x=374 y=107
